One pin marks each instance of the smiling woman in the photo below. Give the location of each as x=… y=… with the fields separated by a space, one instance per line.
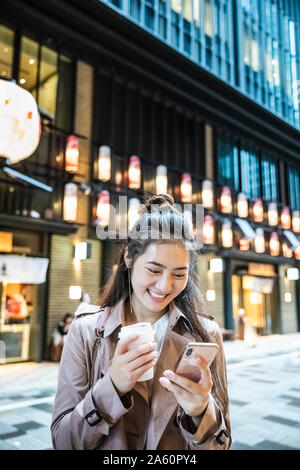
x=100 y=402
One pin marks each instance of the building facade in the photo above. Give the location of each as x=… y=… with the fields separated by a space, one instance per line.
x=206 y=91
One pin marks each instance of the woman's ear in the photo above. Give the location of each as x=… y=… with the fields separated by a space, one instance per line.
x=126 y=258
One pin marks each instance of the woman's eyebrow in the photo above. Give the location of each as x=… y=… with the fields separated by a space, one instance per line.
x=162 y=266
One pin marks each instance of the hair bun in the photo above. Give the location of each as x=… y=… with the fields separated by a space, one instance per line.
x=164 y=201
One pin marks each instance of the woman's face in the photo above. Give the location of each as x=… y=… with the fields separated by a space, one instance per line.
x=160 y=274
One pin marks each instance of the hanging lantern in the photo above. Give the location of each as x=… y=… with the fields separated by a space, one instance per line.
x=225 y=200
x=208 y=230
x=244 y=244
x=20 y=126
x=286 y=250
x=186 y=188
x=296 y=221
x=118 y=177
x=285 y=218
x=103 y=209
x=272 y=214
x=274 y=244
x=259 y=241
x=258 y=210
x=242 y=205
x=297 y=253
x=104 y=163
x=207 y=194
x=227 y=236
x=161 y=179
x=70 y=202
x=72 y=154
x=133 y=211
x=134 y=173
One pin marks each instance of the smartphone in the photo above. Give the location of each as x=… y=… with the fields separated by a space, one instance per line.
x=188 y=366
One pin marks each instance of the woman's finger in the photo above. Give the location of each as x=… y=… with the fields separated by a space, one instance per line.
x=179 y=392
x=139 y=351
x=124 y=343
x=141 y=360
x=205 y=380
x=185 y=383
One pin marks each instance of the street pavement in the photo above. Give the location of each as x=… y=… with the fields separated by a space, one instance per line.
x=263 y=383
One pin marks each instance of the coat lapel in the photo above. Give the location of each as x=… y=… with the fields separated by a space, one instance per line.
x=163 y=402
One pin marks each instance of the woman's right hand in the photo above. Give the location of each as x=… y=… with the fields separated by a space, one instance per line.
x=128 y=366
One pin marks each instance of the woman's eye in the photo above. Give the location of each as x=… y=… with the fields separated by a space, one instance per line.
x=180 y=276
x=151 y=270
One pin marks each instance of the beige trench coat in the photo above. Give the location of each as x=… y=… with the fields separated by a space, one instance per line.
x=97 y=418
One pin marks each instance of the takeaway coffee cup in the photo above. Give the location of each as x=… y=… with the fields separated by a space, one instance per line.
x=146 y=335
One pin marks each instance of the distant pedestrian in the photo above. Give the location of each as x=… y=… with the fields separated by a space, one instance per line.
x=58 y=337
x=85 y=301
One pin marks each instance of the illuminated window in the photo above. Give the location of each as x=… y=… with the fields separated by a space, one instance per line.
x=48 y=80
x=6 y=51
x=28 y=69
x=208 y=19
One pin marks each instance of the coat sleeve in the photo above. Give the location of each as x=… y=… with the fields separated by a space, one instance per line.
x=82 y=417
x=213 y=432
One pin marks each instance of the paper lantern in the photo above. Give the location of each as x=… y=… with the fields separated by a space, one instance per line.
x=20 y=126
x=242 y=205
x=133 y=211
x=103 y=209
x=207 y=194
x=70 y=202
x=272 y=214
x=104 y=163
x=244 y=244
x=161 y=179
x=72 y=154
x=297 y=253
x=259 y=241
x=274 y=244
x=226 y=234
x=286 y=250
x=208 y=230
x=225 y=200
x=296 y=221
x=134 y=172
x=285 y=218
x=186 y=188
x=258 y=210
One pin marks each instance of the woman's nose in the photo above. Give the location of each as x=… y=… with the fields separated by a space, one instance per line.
x=164 y=284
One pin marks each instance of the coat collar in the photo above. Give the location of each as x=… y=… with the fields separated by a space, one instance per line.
x=115 y=314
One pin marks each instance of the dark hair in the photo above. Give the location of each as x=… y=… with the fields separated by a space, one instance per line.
x=190 y=300
x=66 y=316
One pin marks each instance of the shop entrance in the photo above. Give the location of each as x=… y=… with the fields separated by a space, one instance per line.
x=256 y=300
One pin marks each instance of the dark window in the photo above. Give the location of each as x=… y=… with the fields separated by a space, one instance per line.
x=294 y=187
x=269 y=178
x=250 y=173
x=228 y=162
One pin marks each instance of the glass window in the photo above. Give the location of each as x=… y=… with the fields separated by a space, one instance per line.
x=294 y=187
x=228 y=163
x=6 y=51
x=28 y=69
x=208 y=19
x=48 y=80
x=269 y=178
x=196 y=12
x=176 y=5
x=250 y=182
x=65 y=94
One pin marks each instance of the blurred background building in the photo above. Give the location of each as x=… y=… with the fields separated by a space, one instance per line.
x=199 y=98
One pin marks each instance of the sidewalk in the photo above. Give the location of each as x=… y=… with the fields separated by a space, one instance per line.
x=263 y=383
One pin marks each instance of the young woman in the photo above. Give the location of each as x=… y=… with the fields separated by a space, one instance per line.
x=99 y=402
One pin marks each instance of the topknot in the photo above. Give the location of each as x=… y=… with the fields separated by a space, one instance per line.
x=164 y=201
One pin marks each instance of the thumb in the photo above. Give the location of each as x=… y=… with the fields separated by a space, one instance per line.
x=122 y=346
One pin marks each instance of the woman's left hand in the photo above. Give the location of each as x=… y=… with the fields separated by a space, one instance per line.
x=192 y=396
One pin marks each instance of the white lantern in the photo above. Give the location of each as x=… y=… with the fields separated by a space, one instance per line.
x=285 y=217
x=296 y=221
x=258 y=210
x=272 y=214
x=161 y=179
x=225 y=200
x=259 y=241
x=134 y=172
x=274 y=244
x=208 y=230
x=207 y=194
x=227 y=236
x=20 y=126
x=70 y=202
x=242 y=205
x=104 y=163
x=72 y=154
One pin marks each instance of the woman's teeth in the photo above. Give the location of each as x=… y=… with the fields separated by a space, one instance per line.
x=155 y=295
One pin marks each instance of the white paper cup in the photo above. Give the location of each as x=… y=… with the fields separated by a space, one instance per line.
x=146 y=335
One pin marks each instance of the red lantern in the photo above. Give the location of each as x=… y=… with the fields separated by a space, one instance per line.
x=72 y=154
x=258 y=210
x=186 y=188
x=134 y=172
x=225 y=200
x=103 y=209
x=208 y=230
x=274 y=244
x=285 y=218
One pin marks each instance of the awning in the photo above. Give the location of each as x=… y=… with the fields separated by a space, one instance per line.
x=291 y=238
x=246 y=228
x=14 y=269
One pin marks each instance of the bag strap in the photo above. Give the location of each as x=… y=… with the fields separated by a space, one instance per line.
x=99 y=335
